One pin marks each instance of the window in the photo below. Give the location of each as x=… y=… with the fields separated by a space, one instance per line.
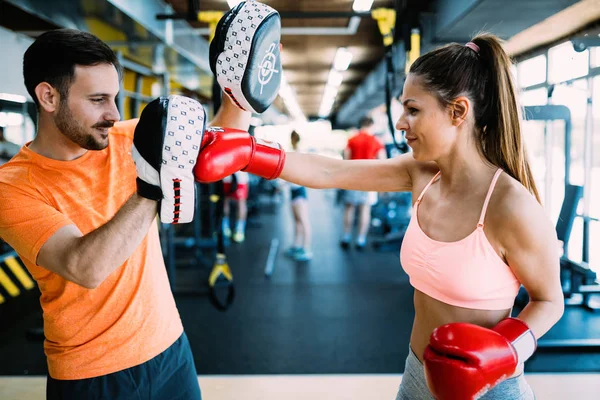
x=565 y=63
x=574 y=96
x=595 y=56
x=594 y=188
x=18 y=129
x=531 y=72
x=595 y=180
x=595 y=250
x=575 y=250
x=545 y=146
x=535 y=97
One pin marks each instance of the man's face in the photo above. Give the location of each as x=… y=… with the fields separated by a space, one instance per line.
x=89 y=110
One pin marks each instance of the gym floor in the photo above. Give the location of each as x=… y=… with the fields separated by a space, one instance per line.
x=335 y=327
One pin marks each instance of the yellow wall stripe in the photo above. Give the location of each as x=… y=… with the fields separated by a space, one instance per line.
x=1 y=299
x=19 y=272
x=10 y=287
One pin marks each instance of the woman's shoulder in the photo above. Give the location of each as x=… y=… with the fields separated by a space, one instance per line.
x=512 y=206
x=422 y=173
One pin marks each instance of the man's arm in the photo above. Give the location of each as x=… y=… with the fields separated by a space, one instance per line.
x=231 y=116
x=88 y=260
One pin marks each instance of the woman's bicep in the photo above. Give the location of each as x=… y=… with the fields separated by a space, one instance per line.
x=531 y=251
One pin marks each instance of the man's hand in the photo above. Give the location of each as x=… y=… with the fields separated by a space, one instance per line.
x=245 y=55
x=166 y=145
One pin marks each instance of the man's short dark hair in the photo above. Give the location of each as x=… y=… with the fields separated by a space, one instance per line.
x=366 y=122
x=54 y=54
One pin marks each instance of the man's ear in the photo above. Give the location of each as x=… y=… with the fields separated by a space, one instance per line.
x=459 y=110
x=48 y=97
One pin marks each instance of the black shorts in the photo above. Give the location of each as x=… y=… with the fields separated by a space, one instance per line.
x=298 y=193
x=170 y=375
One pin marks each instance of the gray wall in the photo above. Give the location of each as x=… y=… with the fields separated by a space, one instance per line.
x=13 y=47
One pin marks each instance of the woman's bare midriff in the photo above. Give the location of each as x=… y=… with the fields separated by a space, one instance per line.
x=431 y=313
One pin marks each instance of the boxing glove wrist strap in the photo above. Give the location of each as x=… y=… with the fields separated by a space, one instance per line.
x=148 y=190
x=519 y=335
x=267 y=159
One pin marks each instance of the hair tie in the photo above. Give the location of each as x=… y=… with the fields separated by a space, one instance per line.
x=473 y=47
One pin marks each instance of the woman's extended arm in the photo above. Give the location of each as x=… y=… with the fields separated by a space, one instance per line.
x=315 y=171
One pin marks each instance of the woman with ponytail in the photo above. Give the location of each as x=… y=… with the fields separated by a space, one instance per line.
x=477 y=233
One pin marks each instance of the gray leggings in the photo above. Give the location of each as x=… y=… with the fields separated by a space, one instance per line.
x=414 y=386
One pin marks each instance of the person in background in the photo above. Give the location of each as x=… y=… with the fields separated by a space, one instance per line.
x=362 y=146
x=301 y=249
x=236 y=189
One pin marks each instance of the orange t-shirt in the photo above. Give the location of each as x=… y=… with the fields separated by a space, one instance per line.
x=131 y=317
x=363 y=146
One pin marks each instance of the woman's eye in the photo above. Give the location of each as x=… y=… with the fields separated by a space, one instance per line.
x=412 y=111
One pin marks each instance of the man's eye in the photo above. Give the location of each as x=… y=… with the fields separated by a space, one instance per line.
x=98 y=100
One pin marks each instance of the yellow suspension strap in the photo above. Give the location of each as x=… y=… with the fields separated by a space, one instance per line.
x=386 y=19
x=415 y=48
x=221 y=278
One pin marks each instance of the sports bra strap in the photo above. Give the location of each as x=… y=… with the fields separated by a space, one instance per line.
x=427 y=187
x=487 y=198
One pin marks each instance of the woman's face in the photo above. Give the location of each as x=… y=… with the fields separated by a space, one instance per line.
x=427 y=124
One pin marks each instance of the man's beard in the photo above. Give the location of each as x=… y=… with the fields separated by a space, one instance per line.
x=76 y=132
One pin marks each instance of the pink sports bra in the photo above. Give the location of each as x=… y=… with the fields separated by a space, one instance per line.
x=467 y=273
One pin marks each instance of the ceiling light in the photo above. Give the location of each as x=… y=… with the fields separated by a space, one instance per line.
x=233 y=3
x=342 y=60
x=330 y=92
x=335 y=78
x=362 y=5
x=325 y=108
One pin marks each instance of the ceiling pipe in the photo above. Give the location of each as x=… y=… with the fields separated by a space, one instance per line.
x=286 y=14
x=349 y=30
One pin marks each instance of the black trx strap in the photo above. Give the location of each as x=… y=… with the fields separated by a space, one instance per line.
x=386 y=21
x=220 y=277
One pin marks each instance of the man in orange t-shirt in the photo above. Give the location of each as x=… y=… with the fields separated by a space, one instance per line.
x=362 y=146
x=69 y=207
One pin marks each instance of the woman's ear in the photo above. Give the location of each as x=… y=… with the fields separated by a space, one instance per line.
x=459 y=110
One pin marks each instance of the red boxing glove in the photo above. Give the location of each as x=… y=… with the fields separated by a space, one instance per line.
x=225 y=151
x=463 y=361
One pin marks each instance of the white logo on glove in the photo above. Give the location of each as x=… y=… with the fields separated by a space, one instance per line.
x=215 y=129
x=267 y=66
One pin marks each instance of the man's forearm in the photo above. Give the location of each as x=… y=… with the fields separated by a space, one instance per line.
x=231 y=116
x=103 y=250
